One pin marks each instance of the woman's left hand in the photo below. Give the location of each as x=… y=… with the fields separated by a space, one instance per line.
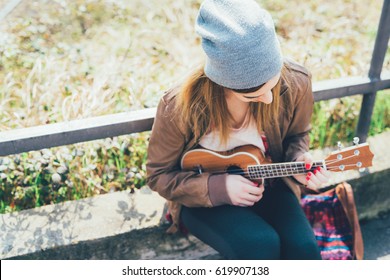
x=313 y=179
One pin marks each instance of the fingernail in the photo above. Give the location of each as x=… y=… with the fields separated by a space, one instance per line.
x=307 y=178
x=307 y=166
x=319 y=168
x=315 y=171
x=309 y=174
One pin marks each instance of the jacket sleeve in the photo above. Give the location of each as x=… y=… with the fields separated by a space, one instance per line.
x=164 y=175
x=297 y=139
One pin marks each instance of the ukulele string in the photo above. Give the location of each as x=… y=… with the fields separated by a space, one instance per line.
x=338 y=160
x=279 y=173
x=281 y=170
x=287 y=169
x=331 y=168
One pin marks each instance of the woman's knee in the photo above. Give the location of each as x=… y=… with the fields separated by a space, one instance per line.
x=264 y=246
x=303 y=249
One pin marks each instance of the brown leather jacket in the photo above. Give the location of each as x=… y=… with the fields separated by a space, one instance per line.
x=170 y=139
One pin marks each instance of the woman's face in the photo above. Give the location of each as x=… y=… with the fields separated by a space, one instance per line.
x=263 y=94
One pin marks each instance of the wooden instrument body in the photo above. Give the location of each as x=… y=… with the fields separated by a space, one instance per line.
x=232 y=161
x=250 y=162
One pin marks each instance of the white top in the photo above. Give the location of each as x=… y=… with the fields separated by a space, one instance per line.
x=244 y=135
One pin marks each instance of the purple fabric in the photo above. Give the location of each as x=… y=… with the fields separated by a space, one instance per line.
x=330 y=225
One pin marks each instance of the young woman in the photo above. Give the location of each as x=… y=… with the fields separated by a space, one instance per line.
x=244 y=94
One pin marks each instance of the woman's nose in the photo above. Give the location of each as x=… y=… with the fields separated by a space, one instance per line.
x=266 y=98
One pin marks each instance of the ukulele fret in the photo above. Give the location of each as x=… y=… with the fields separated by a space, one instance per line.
x=280 y=170
x=248 y=161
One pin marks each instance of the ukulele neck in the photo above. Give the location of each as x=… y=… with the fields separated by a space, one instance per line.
x=276 y=170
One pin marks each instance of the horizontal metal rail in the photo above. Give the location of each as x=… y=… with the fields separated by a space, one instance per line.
x=71 y=132
x=77 y=131
x=338 y=88
x=8 y=8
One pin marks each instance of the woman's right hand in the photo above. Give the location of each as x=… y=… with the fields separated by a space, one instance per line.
x=243 y=192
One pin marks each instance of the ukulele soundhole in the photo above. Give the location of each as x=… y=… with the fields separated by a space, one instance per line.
x=234 y=169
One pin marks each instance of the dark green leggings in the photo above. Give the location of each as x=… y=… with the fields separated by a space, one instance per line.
x=274 y=228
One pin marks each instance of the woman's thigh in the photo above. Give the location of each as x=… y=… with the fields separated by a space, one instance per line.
x=282 y=210
x=235 y=232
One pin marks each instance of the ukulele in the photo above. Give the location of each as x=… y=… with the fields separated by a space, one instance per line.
x=250 y=162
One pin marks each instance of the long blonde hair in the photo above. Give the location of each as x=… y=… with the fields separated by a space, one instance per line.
x=203 y=106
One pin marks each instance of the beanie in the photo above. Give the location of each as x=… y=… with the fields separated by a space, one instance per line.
x=240 y=43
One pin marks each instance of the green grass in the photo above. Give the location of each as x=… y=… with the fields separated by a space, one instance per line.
x=336 y=120
x=381 y=116
x=71 y=173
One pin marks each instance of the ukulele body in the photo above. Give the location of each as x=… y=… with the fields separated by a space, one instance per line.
x=250 y=162
x=233 y=161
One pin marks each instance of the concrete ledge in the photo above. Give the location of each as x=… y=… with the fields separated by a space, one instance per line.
x=154 y=243
x=126 y=225
x=144 y=244
x=117 y=225
x=76 y=221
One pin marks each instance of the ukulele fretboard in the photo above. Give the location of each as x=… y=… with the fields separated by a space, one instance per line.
x=280 y=169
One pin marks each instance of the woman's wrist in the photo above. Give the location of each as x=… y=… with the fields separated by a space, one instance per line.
x=217 y=190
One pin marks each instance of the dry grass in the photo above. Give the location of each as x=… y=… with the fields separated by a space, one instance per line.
x=63 y=60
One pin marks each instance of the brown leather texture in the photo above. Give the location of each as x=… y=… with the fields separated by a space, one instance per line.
x=345 y=194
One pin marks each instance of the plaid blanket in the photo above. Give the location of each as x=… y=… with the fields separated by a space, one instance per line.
x=330 y=225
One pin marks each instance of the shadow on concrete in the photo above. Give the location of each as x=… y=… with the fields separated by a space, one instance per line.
x=376 y=237
x=150 y=243
x=42 y=233
x=154 y=243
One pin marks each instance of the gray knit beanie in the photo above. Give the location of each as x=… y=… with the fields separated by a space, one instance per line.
x=240 y=43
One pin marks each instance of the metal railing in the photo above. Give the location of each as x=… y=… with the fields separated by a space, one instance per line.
x=8 y=8
x=59 y=134
x=374 y=74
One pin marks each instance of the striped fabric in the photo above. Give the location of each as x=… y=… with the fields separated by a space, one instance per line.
x=330 y=225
